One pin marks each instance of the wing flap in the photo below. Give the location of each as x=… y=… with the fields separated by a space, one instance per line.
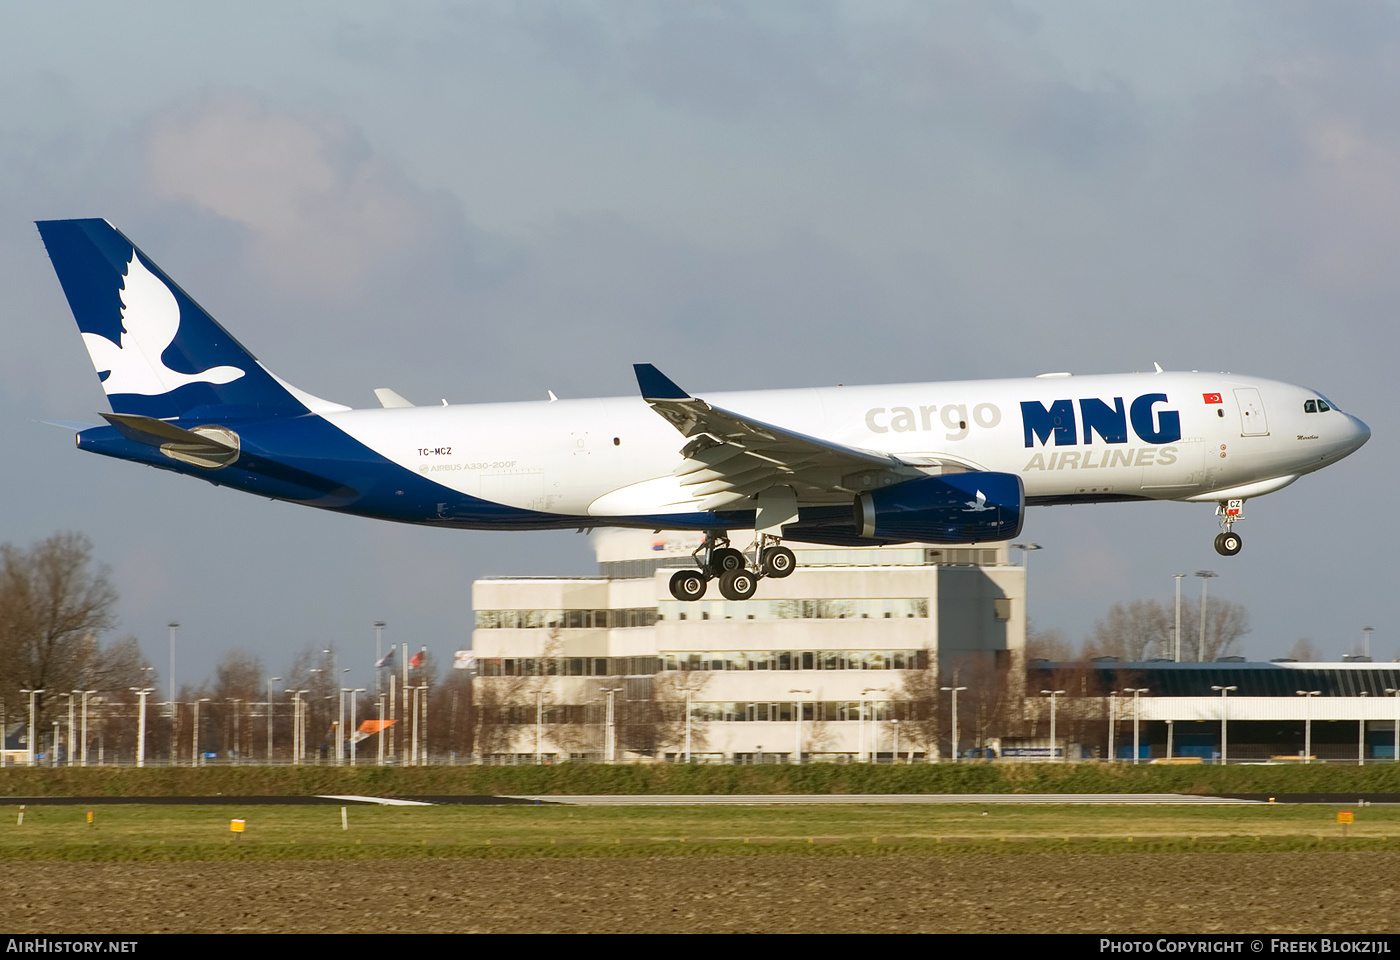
x=732 y=458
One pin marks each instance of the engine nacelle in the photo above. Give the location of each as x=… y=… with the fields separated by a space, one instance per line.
x=955 y=508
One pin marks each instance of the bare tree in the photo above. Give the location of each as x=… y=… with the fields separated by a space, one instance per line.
x=1304 y=651
x=1050 y=645
x=1135 y=631
x=493 y=698
x=451 y=707
x=672 y=689
x=53 y=606
x=238 y=683
x=916 y=707
x=115 y=670
x=1143 y=629
x=1226 y=622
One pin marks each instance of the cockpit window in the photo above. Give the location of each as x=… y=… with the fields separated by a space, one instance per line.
x=1310 y=406
x=1322 y=406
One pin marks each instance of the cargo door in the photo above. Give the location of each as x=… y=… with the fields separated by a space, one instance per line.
x=1253 y=422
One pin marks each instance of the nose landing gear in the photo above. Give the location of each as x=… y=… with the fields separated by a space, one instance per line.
x=1228 y=543
x=717 y=560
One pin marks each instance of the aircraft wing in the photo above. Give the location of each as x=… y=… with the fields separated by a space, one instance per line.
x=731 y=458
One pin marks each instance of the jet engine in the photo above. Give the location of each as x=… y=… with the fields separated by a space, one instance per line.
x=955 y=508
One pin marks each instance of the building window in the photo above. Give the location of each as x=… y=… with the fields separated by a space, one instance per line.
x=795 y=660
x=565 y=619
x=888 y=608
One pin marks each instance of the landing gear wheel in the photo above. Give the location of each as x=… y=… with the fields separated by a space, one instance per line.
x=1228 y=544
x=738 y=585
x=725 y=559
x=778 y=562
x=688 y=585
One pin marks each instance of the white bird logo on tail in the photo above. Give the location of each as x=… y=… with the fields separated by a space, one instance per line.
x=150 y=322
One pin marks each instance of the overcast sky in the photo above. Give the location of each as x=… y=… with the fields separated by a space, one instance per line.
x=483 y=201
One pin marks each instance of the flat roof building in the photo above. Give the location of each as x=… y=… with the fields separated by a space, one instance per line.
x=1274 y=710
x=823 y=664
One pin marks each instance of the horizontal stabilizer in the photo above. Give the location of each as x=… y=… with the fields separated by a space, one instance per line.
x=209 y=447
x=154 y=432
x=77 y=426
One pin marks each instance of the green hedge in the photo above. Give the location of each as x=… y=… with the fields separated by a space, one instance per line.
x=584 y=778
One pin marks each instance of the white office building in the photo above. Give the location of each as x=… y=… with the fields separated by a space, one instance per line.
x=815 y=666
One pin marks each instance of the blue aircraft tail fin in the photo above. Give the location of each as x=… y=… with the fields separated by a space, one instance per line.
x=157 y=352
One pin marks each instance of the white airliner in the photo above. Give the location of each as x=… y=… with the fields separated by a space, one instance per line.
x=927 y=462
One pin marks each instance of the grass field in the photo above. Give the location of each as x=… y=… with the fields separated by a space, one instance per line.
x=190 y=833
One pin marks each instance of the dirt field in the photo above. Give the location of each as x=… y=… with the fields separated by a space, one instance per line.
x=1151 y=893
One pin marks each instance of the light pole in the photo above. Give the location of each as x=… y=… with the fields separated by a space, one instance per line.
x=797 y=716
x=1176 y=656
x=1224 y=719
x=539 y=726
x=170 y=684
x=269 y=716
x=1395 y=743
x=296 y=724
x=237 y=751
x=86 y=694
x=954 y=691
x=1025 y=549
x=379 y=737
x=354 y=725
x=610 y=734
x=687 y=726
x=194 y=736
x=1052 y=694
x=1361 y=733
x=68 y=757
x=72 y=731
x=1307 y=724
x=1112 y=731
x=1137 y=714
x=873 y=753
x=1206 y=576
x=378 y=644
x=303 y=718
x=32 y=735
x=340 y=726
x=141 y=693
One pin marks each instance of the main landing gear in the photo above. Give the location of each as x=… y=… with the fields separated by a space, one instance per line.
x=722 y=562
x=1228 y=543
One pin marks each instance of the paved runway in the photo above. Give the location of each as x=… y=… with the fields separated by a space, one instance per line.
x=1116 y=799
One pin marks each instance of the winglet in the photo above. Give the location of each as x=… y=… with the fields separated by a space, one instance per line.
x=655 y=385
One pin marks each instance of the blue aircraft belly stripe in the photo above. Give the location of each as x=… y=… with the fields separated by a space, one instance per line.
x=309 y=460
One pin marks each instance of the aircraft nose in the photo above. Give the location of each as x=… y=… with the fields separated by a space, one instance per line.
x=1358 y=433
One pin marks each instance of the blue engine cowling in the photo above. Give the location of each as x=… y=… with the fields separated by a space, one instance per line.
x=954 y=508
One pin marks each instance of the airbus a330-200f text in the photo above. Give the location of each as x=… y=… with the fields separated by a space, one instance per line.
x=853 y=465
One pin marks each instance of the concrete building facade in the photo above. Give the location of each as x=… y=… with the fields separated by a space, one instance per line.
x=821 y=665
